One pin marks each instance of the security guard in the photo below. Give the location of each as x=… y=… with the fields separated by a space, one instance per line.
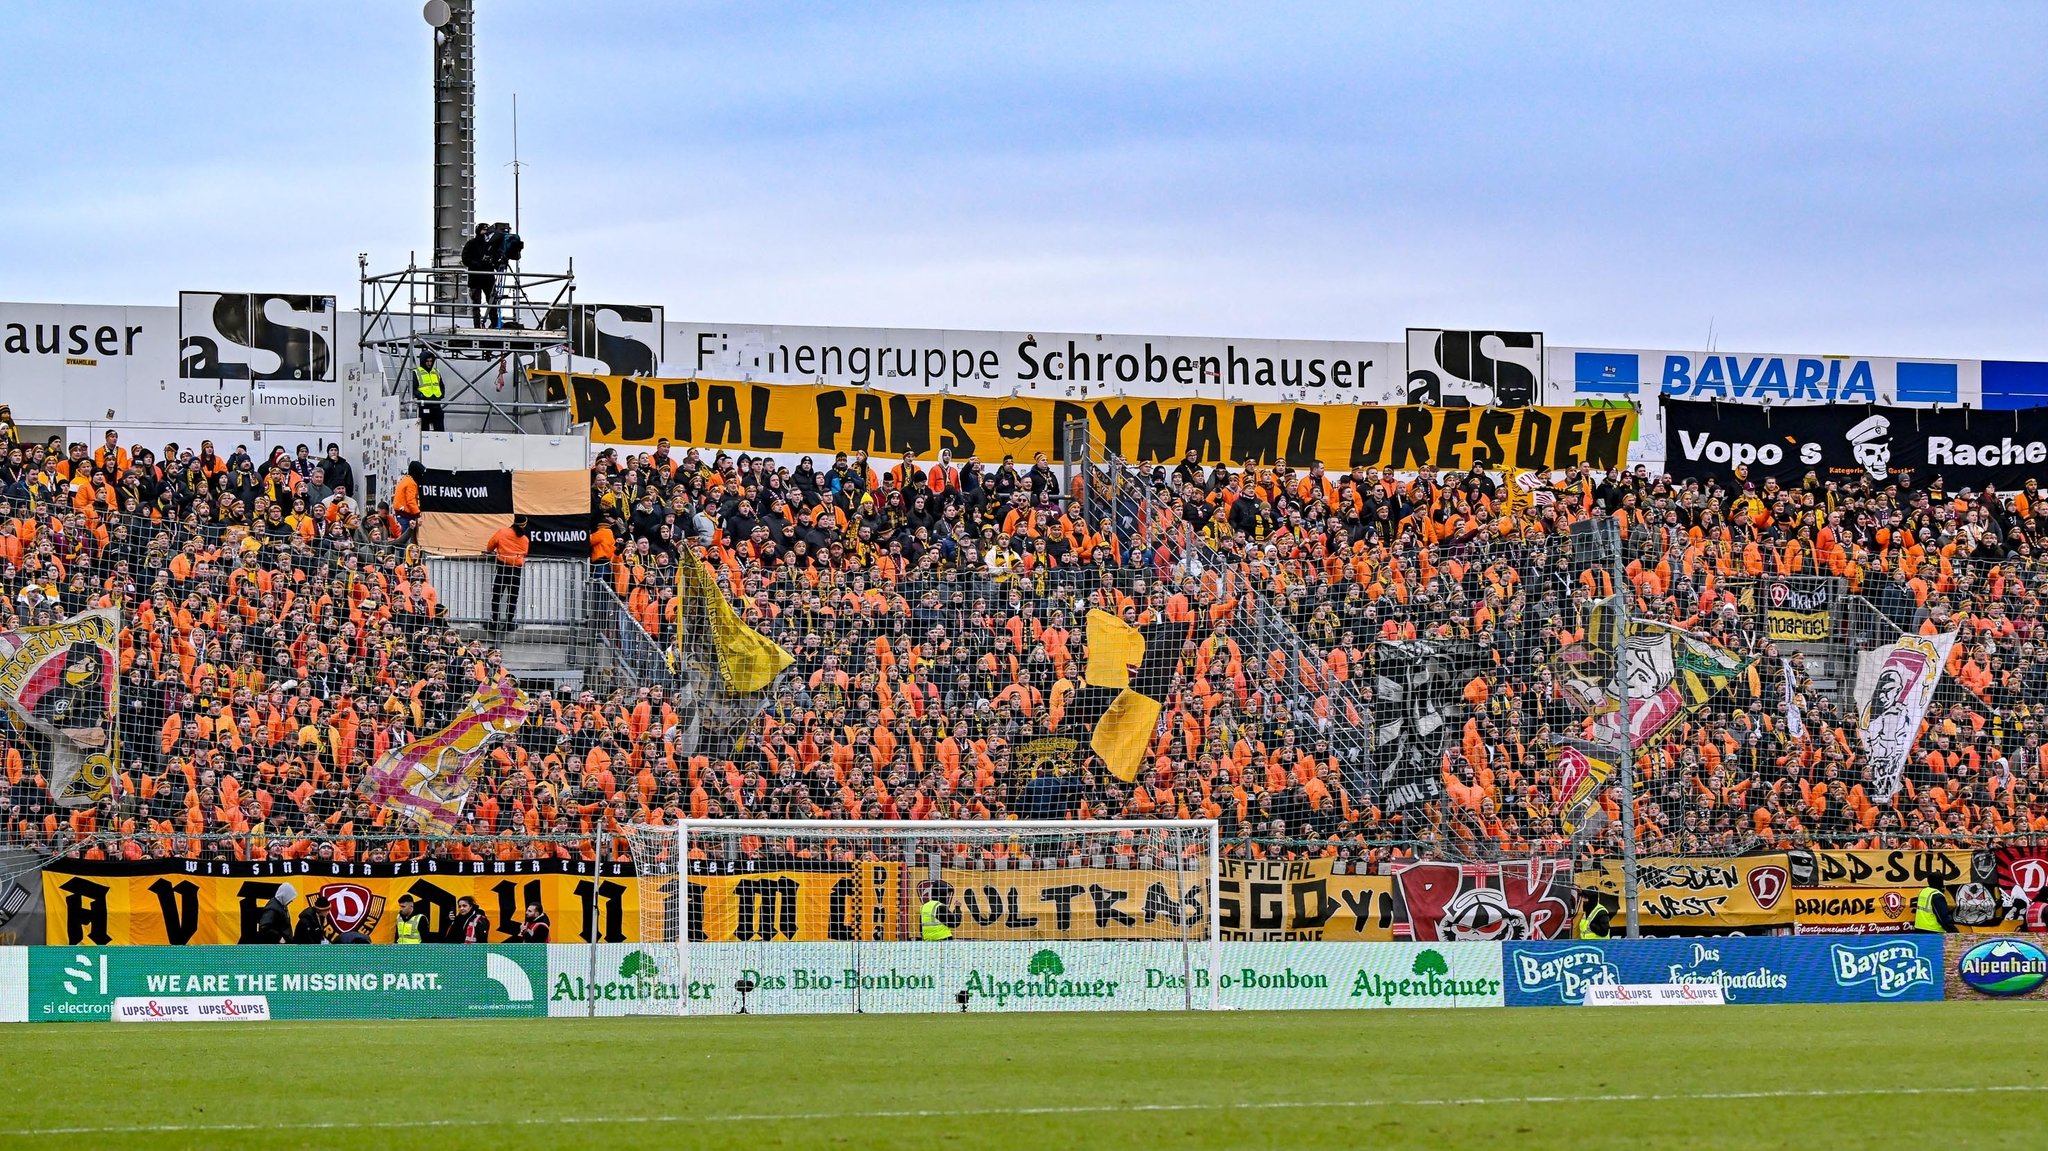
x=1933 y=914
x=1595 y=920
x=411 y=922
x=426 y=388
x=928 y=919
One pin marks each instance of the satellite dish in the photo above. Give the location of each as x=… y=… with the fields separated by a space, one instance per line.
x=437 y=13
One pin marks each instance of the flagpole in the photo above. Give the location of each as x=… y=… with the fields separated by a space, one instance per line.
x=1627 y=768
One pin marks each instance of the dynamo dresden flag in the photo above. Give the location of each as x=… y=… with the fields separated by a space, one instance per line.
x=1127 y=679
x=58 y=693
x=428 y=781
x=747 y=660
x=1894 y=685
x=1669 y=675
x=1583 y=769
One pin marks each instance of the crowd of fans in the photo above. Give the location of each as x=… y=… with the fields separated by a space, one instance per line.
x=278 y=637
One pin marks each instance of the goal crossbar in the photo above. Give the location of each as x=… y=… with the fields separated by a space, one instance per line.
x=1090 y=888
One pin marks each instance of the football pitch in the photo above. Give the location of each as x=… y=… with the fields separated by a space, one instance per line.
x=1938 y=1074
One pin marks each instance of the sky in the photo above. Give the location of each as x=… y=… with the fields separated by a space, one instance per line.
x=1834 y=178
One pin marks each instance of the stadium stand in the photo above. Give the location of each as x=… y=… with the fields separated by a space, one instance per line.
x=277 y=638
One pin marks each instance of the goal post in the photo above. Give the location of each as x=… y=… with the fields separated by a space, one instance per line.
x=917 y=915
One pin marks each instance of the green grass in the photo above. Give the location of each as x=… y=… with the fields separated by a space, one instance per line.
x=1526 y=1079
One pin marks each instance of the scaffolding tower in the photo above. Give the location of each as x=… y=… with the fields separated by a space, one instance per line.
x=483 y=359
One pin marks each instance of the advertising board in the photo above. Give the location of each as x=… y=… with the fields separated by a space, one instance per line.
x=1853 y=444
x=83 y=984
x=1039 y=975
x=1748 y=970
x=1647 y=379
x=83 y=366
x=2000 y=967
x=1065 y=365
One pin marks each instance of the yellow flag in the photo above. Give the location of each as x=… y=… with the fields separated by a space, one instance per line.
x=1114 y=648
x=749 y=660
x=1124 y=733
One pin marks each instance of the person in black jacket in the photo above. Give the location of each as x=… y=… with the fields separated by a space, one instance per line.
x=535 y=927
x=340 y=475
x=467 y=925
x=479 y=255
x=274 y=923
x=312 y=926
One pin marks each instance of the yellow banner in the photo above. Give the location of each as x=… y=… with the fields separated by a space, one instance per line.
x=1276 y=900
x=1910 y=869
x=216 y=903
x=1797 y=626
x=1071 y=903
x=861 y=901
x=808 y=419
x=1676 y=891
x=1852 y=910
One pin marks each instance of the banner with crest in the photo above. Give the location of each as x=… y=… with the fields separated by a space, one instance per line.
x=59 y=690
x=428 y=782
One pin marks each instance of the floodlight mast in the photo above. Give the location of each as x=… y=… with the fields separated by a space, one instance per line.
x=454 y=32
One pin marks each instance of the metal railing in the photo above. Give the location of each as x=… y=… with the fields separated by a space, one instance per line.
x=552 y=592
x=635 y=654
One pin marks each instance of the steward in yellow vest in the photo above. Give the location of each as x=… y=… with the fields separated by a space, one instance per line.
x=1595 y=920
x=427 y=390
x=411 y=923
x=1932 y=911
x=928 y=920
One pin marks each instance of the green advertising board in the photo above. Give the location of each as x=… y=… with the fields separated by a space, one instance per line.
x=429 y=981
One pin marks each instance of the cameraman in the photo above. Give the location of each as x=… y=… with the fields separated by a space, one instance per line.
x=480 y=256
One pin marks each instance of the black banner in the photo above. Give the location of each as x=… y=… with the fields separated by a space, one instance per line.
x=478 y=493
x=566 y=537
x=1909 y=446
x=331 y=869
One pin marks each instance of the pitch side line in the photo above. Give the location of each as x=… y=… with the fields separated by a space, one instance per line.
x=997 y=1112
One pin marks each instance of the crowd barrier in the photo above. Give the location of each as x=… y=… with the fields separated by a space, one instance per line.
x=161 y=983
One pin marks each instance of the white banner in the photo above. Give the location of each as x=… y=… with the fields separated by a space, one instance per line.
x=1656 y=995
x=1050 y=365
x=1894 y=685
x=192 y=1009
x=808 y=978
x=76 y=365
x=13 y=985
x=1608 y=377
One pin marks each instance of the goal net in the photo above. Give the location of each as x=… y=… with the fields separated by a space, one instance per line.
x=823 y=916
